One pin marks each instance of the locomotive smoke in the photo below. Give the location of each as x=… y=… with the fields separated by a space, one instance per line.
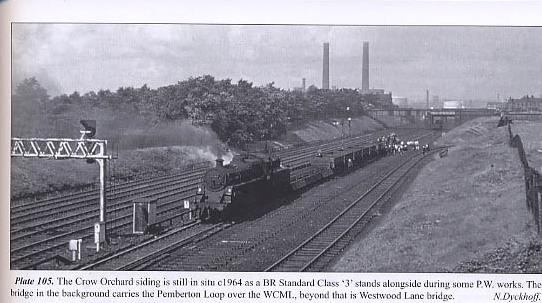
x=206 y=153
x=199 y=142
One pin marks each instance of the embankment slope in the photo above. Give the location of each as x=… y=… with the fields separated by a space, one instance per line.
x=457 y=209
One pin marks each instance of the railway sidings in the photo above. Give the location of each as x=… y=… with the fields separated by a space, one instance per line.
x=40 y=230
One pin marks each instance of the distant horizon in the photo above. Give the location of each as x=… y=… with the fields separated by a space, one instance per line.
x=455 y=63
x=418 y=102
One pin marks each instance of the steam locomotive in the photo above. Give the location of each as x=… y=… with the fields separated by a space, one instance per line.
x=249 y=180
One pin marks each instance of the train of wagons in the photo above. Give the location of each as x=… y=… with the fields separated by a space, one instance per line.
x=251 y=179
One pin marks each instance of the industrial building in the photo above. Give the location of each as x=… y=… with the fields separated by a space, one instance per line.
x=496 y=105
x=524 y=104
x=400 y=101
x=452 y=104
x=374 y=96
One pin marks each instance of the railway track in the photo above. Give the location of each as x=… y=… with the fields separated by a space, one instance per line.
x=22 y=252
x=59 y=208
x=237 y=249
x=75 y=201
x=16 y=206
x=143 y=254
x=329 y=241
x=300 y=156
x=28 y=212
x=88 y=213
x=35 y=235
x=90 y=200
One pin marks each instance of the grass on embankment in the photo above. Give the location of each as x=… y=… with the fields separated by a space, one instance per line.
x=325 y=130
x=458 y=208
x=160 y=149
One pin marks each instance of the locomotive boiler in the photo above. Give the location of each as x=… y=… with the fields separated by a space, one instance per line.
x=247 y=181
x=251 y=180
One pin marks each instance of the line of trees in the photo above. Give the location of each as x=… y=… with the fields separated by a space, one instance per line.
x=238 y=112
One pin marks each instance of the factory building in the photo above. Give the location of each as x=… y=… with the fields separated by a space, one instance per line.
x=378 y=97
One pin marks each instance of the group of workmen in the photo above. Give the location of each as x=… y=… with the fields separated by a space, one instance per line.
x=395 y=146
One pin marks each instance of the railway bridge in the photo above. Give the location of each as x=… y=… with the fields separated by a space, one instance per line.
x=443 y=118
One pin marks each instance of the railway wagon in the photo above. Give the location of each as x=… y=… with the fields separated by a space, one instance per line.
x=342 y=161
x=227 y=189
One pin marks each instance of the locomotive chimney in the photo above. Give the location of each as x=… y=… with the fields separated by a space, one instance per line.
x=219 y=162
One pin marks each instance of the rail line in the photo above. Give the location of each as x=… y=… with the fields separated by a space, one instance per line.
x=22 y=254
x=84 y=214
x=93 y=193
x=127 y=192
x=315 y=252
x=222 y=253
x=37 y=225
x=71 y=217
x=150 y=251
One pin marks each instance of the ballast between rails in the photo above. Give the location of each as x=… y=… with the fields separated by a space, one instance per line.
x=140 y=263
x=58 y=241
x=122 y=253
x=227 y=191
x=253 y=239
x=312 y=258
x=49 y=242
x=87 y=215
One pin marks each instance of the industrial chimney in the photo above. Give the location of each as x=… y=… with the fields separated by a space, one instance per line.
x=325 y=75
x=365 y=68
x=303 y=85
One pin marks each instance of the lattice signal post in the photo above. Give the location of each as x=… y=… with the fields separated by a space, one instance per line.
x=82 y=148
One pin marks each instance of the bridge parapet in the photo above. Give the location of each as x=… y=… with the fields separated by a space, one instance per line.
x=444 y=118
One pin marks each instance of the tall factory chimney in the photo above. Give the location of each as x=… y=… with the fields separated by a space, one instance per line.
x=325 y=75
x=427 y=98
x=365 y=68
x=303 y=87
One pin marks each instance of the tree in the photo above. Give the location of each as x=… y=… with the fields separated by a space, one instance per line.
x=29 y=109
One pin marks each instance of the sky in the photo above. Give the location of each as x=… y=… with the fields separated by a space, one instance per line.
x=453 y=62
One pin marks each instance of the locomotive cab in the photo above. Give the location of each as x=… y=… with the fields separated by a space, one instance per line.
x=227 y=187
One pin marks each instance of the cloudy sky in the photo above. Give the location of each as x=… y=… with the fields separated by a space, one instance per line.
x=452 y=62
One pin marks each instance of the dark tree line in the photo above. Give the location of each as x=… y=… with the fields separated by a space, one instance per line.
x=238 y=112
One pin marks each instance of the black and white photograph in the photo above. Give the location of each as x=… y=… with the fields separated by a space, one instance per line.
x=275 y=148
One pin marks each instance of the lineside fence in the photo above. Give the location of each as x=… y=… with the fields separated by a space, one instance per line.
x=533 y=181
